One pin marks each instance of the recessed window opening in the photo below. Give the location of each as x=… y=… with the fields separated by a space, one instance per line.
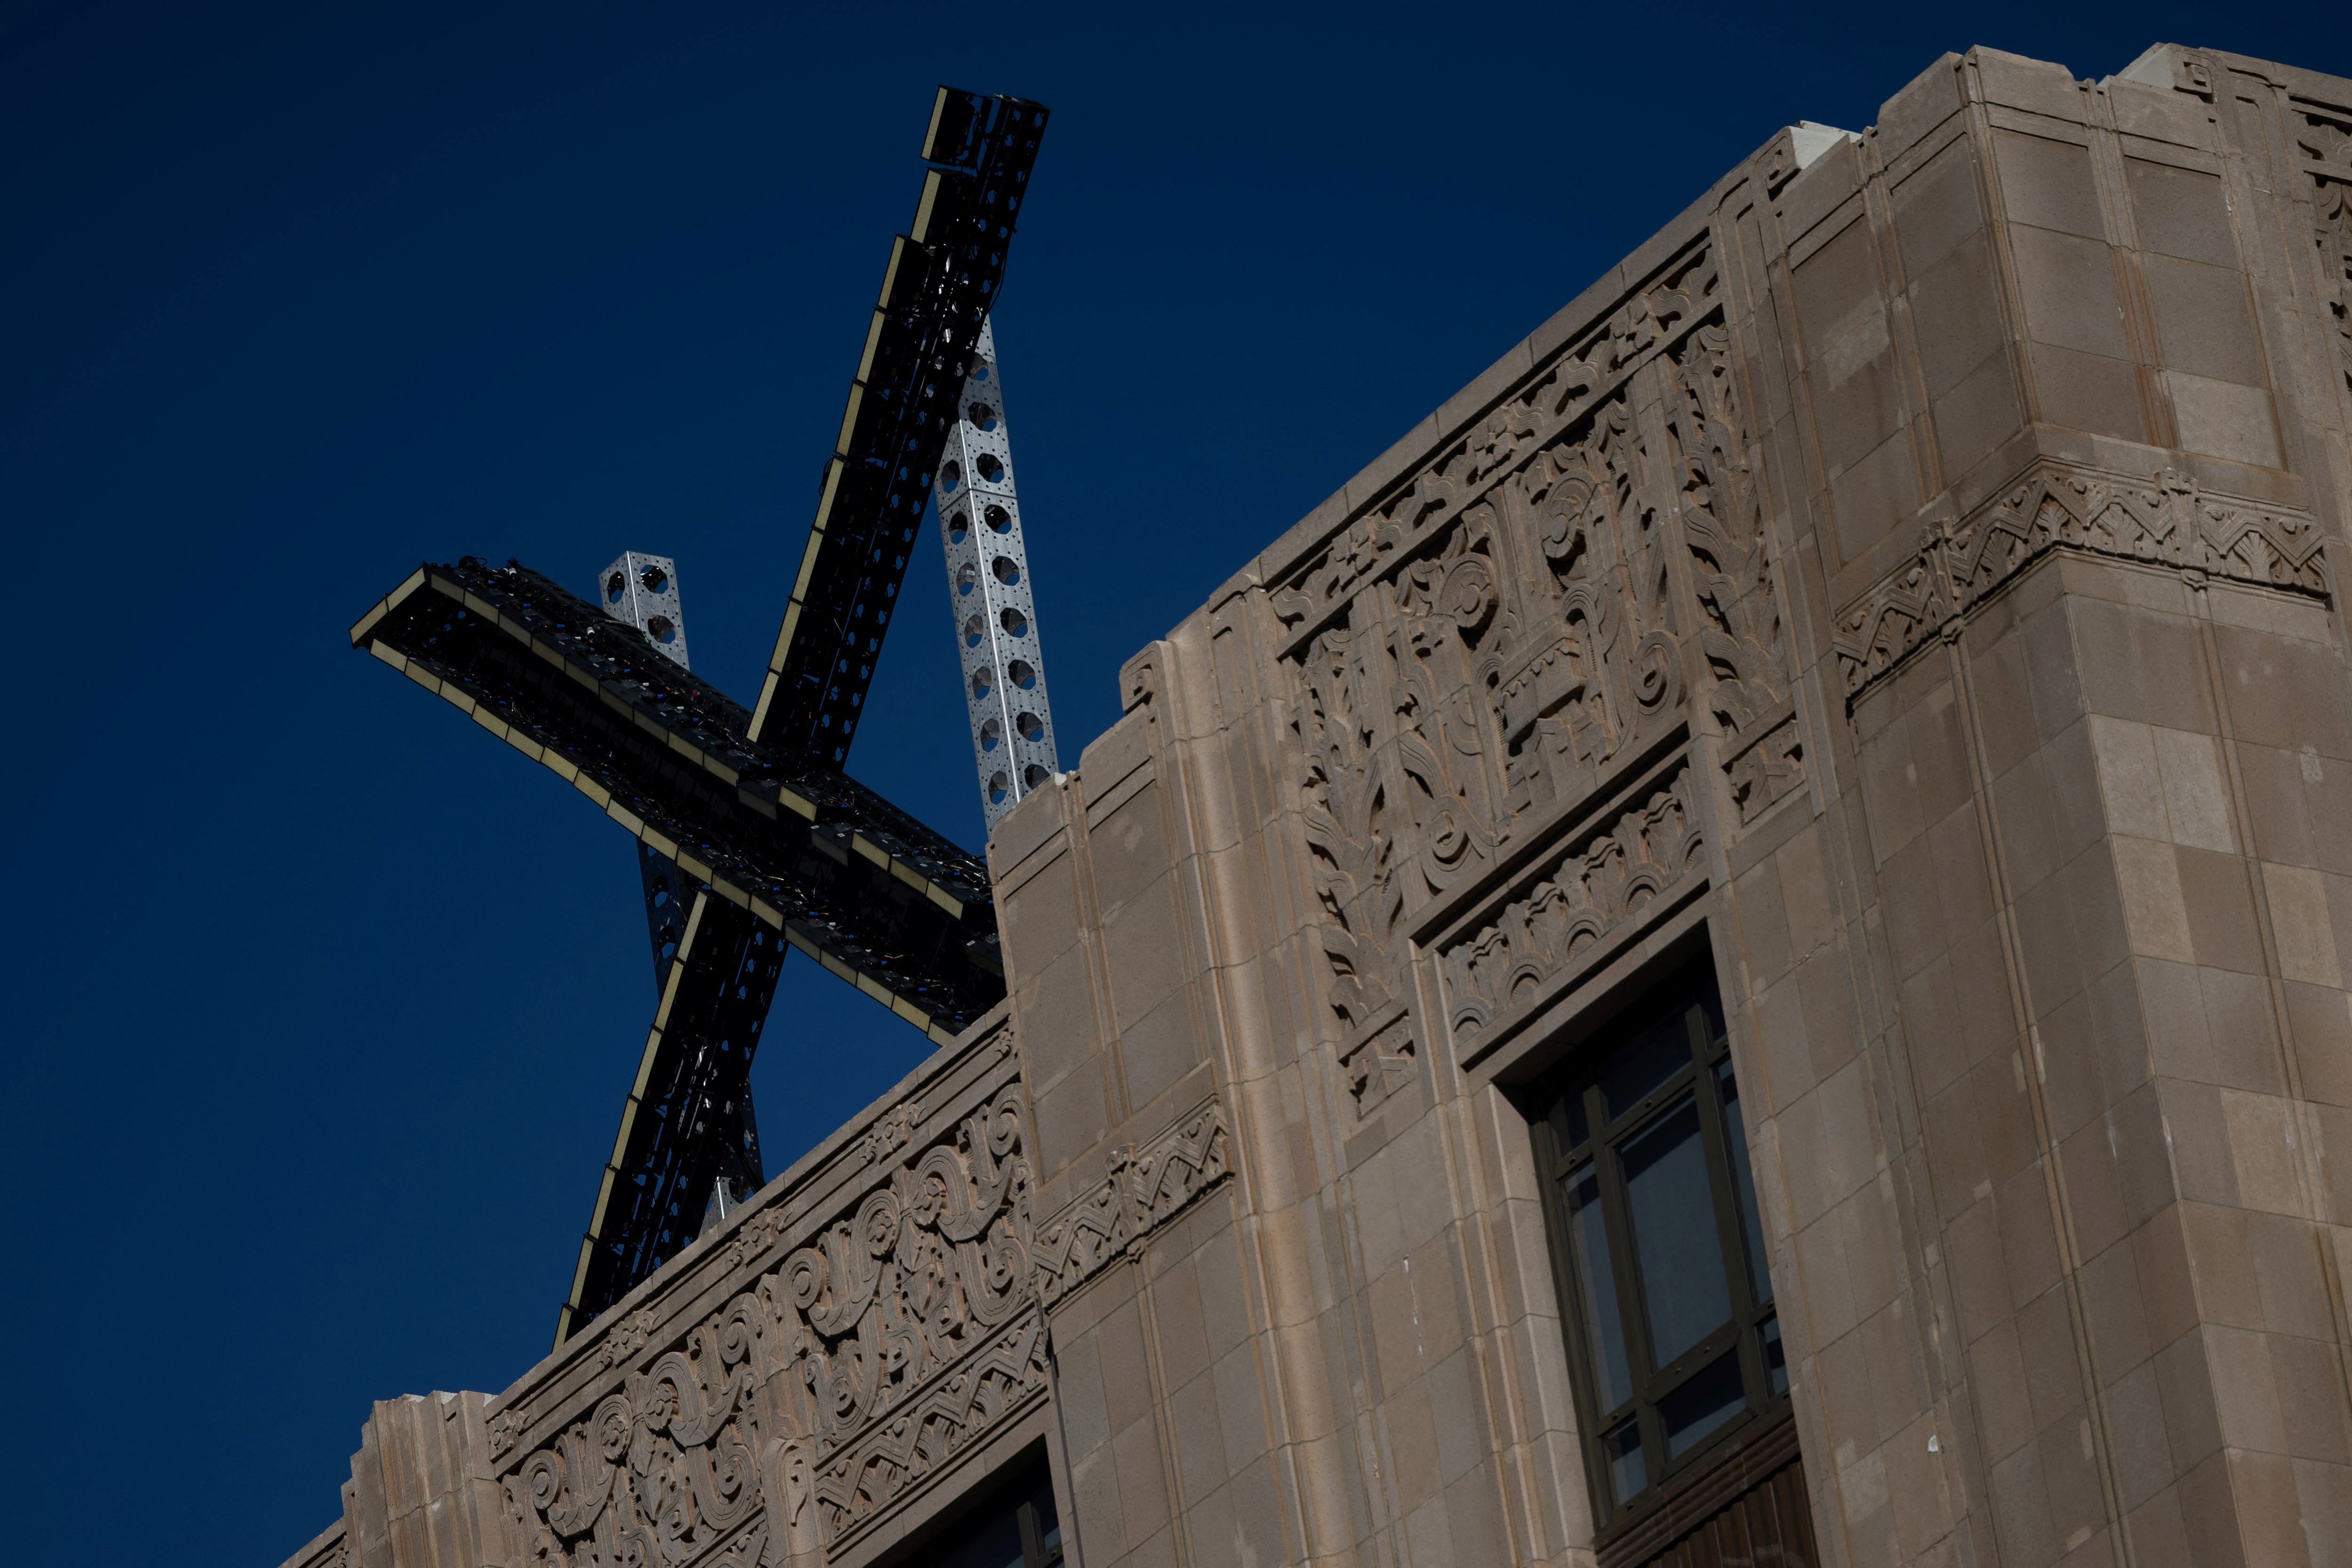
x=1657 y=1241
x=1012 y=1525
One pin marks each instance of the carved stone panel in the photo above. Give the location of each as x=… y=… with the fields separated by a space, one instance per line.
x=2323 y=140
x=2167 y=520
x=1602 y=879
x=1528 y=609
x=861 y=1355
x=1146 y=1187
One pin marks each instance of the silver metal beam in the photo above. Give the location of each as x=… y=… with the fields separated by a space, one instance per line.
x=989 y=590
x=643 y=590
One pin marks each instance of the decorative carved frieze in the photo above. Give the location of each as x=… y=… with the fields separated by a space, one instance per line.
x=1741 y=635
x=1145 y=1188
x=2166 y=521
x=893 y=1132
x=2322 y=138
x=1603 y=878
x=826 y=1389
x=1556 y=398
x=1540 y=601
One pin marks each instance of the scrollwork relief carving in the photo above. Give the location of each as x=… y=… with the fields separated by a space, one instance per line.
x=821 y=1393
x=1605 y=877
x=2167 y=520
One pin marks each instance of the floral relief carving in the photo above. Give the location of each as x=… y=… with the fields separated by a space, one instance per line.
x=1518 y=614
x=1604 y=878
x=1578 y=690
x=893 y=1132
x=2167 y=520
x=1558 y=397
x=820 y=1393
x=506 y=1428
x=1742 y=640
x=2323 y=135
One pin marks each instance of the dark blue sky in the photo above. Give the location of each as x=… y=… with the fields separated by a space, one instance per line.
x=323 y=1000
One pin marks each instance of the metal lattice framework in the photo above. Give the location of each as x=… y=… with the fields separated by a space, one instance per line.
x=763 y=842
x=936 y=295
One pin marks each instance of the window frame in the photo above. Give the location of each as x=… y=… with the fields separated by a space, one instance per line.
x=1742 y=1249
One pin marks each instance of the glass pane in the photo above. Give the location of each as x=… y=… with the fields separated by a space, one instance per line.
x=1614 y=1383
x=1735 y=1138
x=1673 y=1211
x=1627 y=1474
x=1712 y=1005
x=1567 y=1122
x=1710 y=1397
x=1776 y=1357
x=1049 y=1525
x=993 y=1541
x=1647 y=1060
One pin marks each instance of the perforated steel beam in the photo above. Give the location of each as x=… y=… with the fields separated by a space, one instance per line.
x=989 y=588
x=641 y=591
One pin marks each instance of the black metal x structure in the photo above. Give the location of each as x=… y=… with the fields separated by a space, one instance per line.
x=772 y=843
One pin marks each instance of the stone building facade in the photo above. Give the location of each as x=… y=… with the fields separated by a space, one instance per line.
x=1731 y=954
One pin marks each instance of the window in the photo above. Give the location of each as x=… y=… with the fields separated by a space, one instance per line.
x=1657 y=1242
x=1016 y=1528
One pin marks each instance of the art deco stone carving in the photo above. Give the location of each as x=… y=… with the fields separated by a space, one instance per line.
x=1605 y=878
x=2324 y=143
x=815 y=1399
x=1145 y=1188
x=1527 y=608
x=2166 y=521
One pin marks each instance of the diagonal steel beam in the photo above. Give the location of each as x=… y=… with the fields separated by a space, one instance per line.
x=937 y=291
x=872 y=894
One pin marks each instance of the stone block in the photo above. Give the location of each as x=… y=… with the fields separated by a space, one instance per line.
x=2037 y=86
x=1977 y=416
x=1929 y=100
x=2224 y=418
